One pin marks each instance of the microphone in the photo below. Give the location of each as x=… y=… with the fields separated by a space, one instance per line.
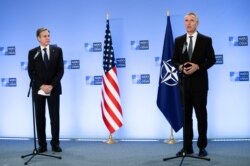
x=37 y=53
x=184 y=47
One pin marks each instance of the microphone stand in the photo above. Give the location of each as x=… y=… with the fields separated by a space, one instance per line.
x=35 y=151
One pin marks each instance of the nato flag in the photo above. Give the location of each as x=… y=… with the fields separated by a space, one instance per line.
x=169 y=98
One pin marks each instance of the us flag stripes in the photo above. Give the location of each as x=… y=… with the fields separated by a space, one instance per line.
x=111 y=104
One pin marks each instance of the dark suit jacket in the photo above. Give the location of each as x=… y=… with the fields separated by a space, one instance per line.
x=39 y=75
x=203 y=55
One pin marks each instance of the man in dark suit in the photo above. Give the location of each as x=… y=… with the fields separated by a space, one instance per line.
x=46 y=69
x=193 y=56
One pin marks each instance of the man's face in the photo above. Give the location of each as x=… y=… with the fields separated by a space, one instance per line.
x=44 y=38
x=190 y=24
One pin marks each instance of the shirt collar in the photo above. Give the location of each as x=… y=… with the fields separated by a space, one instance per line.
x=194 y=34
x=45 y=47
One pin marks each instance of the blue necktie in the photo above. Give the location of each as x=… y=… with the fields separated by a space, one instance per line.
x=190 y=47
x=45 y=58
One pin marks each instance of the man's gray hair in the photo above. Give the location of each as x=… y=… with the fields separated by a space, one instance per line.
x=192 y=14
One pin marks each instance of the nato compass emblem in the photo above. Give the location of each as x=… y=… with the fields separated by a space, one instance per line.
x=169 y=74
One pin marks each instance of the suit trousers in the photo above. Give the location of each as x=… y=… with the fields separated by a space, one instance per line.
x=53 y=102
x=195 y=100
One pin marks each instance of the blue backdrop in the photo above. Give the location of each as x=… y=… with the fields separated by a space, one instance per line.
x=138 y=29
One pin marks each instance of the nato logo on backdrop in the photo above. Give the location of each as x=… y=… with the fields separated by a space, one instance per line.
x=72 y=64
x=219 y=58
x=93 y=47
x=93 y=80
x=10 y=50
x=120 y=62
x=8 y=82
x=139 y=44
x=238 y=40
x=140 y=79
x=239 y=76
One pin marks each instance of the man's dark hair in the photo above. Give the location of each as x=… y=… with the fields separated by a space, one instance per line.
x=40 y=30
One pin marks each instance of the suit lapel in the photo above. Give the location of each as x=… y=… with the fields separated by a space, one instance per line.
x=184 y=41
x=196 y=46
x=39 y=56
x=52 y=52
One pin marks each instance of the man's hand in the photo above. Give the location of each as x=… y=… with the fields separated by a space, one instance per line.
x=46 y=88
x=190 y=68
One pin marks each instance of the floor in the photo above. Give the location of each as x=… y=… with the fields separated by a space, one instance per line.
x=123 y=153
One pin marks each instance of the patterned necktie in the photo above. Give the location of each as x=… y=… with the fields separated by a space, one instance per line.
x=45 y=58
x=190 y=47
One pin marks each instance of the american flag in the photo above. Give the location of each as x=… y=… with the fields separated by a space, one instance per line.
x=111 y=104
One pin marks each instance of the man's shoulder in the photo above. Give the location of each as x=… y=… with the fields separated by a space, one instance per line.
x=55 y=49
x=54 y=46
x=200 y=35
x=35 y=49
x=179 y=40
x=181 y=37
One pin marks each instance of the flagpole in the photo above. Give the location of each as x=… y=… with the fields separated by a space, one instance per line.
x=112 y=121
x=110 y=140
x=168 y=13
x=107 y=16
x=171 y=139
